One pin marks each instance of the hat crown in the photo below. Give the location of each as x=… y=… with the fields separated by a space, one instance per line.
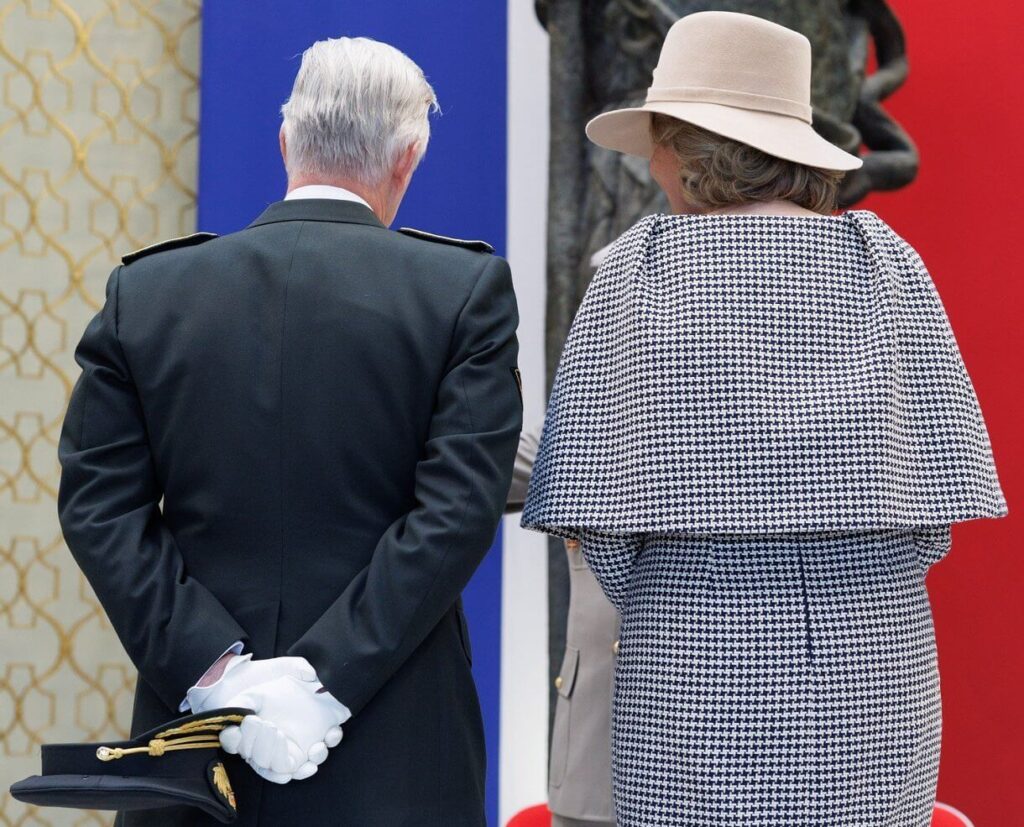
x=736 y=53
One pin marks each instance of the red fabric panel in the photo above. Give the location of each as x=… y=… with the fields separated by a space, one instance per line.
x=538 y=816
x=962 y=104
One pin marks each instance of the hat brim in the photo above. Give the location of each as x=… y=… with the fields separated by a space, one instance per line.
x=789 y=138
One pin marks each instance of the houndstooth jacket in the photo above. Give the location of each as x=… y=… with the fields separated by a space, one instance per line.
x=760 y=374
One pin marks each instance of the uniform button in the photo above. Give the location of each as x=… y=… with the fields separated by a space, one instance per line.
x=615 y=648
x=558 y=682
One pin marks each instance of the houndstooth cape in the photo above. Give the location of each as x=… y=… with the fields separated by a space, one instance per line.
x=761 y=374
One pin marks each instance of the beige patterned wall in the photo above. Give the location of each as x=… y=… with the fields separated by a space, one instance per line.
x=98 y=124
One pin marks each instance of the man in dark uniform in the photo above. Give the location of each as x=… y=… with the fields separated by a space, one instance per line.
x=329 y=412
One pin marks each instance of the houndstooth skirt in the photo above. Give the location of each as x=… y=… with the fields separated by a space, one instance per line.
x=787 y=681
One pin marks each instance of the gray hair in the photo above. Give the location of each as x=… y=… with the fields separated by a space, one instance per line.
x=356 y=106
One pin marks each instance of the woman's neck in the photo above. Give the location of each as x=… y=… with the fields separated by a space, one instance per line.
x=776 y=207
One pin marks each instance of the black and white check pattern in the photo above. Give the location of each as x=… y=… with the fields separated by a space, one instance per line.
x=761 y=429
x=786 y=681
x=761 y=374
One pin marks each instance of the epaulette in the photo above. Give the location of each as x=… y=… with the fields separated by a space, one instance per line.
x=478 y=246
x=169 y=244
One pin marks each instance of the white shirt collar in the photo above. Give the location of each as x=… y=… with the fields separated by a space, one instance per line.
x=325 y=191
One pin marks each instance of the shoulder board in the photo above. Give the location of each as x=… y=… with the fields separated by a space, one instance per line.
x=169 y=244
x=478 y=246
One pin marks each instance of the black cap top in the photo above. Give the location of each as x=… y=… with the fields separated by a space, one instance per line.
x=178 y=763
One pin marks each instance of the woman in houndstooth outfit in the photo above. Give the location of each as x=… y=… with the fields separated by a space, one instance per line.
x=761 y=430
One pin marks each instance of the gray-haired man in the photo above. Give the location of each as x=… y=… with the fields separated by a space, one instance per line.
x=328 y=411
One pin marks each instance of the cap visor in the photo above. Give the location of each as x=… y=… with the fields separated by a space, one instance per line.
x=112 y=792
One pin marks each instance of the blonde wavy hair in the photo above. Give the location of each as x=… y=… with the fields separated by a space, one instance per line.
x=719 y=172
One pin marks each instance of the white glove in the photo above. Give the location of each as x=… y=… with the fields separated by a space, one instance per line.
x=243 y=673
x=294 y=725
x=270 y=753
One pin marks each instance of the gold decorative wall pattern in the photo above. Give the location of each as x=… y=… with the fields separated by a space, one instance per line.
x=98 y=156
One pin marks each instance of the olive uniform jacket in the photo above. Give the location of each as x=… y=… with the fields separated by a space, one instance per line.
x=329 y=413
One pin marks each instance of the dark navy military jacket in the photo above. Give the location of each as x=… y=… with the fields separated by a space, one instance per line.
x=329 y=413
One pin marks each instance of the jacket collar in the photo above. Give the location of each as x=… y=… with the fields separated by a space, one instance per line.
x=318 y=209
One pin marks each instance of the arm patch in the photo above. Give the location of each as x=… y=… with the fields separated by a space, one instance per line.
x=519 y=381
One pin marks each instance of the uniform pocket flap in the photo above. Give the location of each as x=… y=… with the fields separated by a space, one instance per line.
x=567 y=677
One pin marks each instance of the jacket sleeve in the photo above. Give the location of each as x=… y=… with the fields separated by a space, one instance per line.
x=611 y=558
x=426 y=557
x=932 y=544
x=109 y=507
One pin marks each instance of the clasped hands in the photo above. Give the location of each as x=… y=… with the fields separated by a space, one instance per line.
x=294 y=725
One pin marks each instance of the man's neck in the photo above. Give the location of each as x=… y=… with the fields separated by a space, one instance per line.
x=374 y=196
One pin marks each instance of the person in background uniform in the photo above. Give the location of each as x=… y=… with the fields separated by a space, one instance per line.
x=287 y=453
x=579 y=773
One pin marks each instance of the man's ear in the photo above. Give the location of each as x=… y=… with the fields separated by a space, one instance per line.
x=283 y=143
x=407 y=163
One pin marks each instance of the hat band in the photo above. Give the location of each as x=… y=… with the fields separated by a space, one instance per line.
x=729 y=97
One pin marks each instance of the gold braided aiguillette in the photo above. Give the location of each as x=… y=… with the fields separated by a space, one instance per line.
x=201 y=734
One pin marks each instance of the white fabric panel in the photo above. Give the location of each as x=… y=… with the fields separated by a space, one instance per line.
x=524 y=702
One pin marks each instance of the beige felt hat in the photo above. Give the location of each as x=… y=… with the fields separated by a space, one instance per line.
x=736 y=75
